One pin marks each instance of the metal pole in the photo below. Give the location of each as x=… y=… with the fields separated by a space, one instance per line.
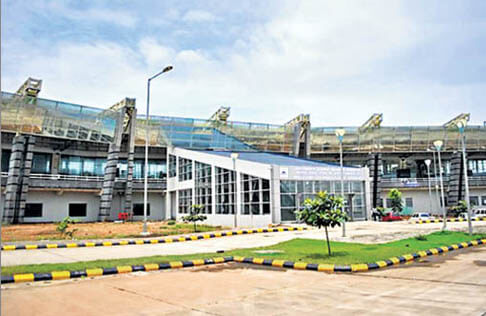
x=430 y=190
x=435 y=181
x=235 y=207
x=145 y=193
x=466 y=182
x=342 y=180
x=442 y=194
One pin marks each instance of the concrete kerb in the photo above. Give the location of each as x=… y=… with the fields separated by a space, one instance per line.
x=330 y=268
x=150 y=241
x=62 y=275
x=449 y=220
x=360 y=266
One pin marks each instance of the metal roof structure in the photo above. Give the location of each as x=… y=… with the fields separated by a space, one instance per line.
x=71 y=121
x=275 y=159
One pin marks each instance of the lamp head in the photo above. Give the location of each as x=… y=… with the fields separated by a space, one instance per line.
x=340 y=133
x=168 y=68
x=438 y=144
x=234 y=156
x=427 y=162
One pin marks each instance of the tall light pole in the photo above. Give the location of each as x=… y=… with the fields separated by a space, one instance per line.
x=340 y=135
x=462 y=125
x=147 y=138
x=234 y=156
x=438 y=145
x=427 y=163
x=436 y=186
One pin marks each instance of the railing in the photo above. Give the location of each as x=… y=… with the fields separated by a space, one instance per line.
x=66 y=177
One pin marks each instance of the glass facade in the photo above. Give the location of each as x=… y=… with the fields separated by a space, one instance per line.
x=172 y=166
x=60 y=119
x=41 y=163
x=157 y=169
x=5 y=160
x=185 y=201
x=255 y=195
x=185 y=169
x=478 y=167
x=294 y=193
x=225 y=191
x=82 y=166
x=203 y=186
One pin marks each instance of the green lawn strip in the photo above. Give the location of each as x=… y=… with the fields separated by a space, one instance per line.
x=304 y=250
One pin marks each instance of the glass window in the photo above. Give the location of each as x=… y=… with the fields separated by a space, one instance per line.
x=225 y=191
x=255 y=195
x=185 y=201
x=41 y=163
x=33 y=210
x=172 y=166
x=483 y=200
x=185 y=169
x=82 y=166
x=203 y=186
x=474 y=200
x=5 y=160
x=77 y=209
x=138 y=209
x=156 y=169
x=409 y=202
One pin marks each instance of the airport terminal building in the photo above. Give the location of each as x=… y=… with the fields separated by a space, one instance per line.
x=61 y=159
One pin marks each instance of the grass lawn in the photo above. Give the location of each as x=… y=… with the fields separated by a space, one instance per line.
x=99 y=230
x=304 y=250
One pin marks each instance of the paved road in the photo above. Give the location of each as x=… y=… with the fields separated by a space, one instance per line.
x=367 y=232
x=454 y=284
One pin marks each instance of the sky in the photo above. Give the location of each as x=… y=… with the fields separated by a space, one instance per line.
x=417 y=62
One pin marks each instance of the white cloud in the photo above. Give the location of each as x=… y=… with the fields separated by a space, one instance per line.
x=198 y=16
x=323 y=58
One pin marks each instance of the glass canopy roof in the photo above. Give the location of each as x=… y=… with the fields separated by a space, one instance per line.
x=66 y=120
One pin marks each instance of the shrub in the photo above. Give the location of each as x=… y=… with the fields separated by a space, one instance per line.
x=63 y=226
x=171 y=222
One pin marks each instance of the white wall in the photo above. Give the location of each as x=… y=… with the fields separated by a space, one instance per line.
x=56 y=206
x=157 y=205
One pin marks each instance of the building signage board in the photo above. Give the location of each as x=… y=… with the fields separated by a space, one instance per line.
x=321 y=173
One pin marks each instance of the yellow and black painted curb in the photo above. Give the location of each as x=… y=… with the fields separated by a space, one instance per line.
x=449 y=220
x=62 y=275
x=360 y=266
x=151 y=241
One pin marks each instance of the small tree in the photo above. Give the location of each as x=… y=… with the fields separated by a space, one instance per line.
x=62 y=227
x=396 y=200
x=323 y=211
x=195 y=215
x=459 y=208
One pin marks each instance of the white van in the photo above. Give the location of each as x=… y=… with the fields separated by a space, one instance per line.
x=479 y=213
x=421 y=216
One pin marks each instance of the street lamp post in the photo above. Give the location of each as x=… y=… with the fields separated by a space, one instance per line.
x=145 y=195
x=340 y=134
x=427 y=163
x=234 y=156
x=436 y=186
x=438 y=145
x=462 y=125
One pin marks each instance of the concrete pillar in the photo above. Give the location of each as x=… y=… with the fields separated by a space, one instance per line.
x=296 y=140
x=130 y=159
x=373 y=163
x=456 y=180
x=27 y=166
x=110 y=169
x=12 y=197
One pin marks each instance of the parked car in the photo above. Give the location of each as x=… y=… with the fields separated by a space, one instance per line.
x=390 y=217
x=421 y=217
x=475 y=213
x=479 y=213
